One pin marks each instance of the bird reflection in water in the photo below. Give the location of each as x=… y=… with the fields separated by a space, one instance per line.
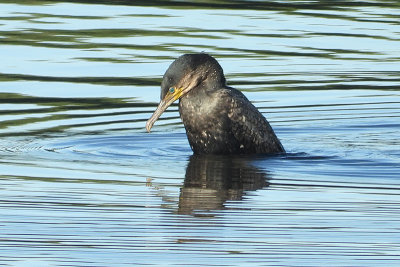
x=212 y=180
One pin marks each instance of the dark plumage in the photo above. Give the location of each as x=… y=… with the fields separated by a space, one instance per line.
x=218 y=119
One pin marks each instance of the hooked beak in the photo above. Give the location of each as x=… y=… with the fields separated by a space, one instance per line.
x=164 y=104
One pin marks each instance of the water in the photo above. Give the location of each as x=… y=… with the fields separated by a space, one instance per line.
x=83 y=184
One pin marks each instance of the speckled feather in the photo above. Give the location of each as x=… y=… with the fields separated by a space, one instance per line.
x=226 y=122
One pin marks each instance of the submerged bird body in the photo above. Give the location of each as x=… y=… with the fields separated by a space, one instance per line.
x=226 y=123
x=218 y=119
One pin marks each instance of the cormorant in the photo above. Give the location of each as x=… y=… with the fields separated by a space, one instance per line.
x=218 y=119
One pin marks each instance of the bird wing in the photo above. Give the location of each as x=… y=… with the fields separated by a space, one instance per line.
x=249 y=126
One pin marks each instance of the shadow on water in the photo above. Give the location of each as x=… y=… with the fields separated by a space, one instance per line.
x=212 y=180
x=60 y=114
x=241 y=5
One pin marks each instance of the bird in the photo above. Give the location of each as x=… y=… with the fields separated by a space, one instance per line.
x=218 y=119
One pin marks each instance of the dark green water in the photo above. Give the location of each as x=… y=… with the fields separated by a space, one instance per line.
x=83 y=184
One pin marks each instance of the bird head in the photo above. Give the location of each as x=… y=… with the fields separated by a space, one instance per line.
x=186 y=73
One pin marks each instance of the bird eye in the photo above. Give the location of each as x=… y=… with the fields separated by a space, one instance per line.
x=172 y=90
